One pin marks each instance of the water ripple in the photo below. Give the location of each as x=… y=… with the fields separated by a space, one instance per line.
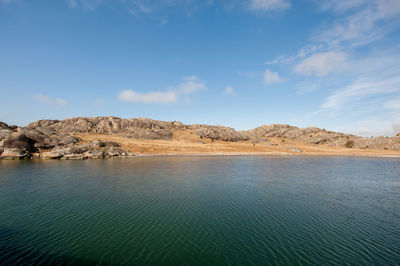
x=201 y=210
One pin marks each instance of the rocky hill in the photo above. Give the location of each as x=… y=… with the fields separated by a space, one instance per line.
x=55 y=139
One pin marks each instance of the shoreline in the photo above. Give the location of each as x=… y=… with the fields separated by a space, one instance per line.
x=244 y=154
x=271 y=154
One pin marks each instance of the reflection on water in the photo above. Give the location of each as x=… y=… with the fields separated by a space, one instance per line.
x=201 y=210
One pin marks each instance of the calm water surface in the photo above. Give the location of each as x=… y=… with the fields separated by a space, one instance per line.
x=201 y=210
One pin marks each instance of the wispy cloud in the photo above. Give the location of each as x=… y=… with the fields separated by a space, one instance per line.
x=370 y=23
x=150 y=97
x=341 y=5
x=361 y=89
x=271 y=77
x=229 y=91
x=269 y=5
x=189 y=85
x=52 y=101
x=321 y=64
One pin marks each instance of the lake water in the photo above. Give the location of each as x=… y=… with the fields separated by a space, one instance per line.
x=201 y=210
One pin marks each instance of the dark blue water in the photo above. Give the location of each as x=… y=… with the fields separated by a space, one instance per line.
x=201 y=210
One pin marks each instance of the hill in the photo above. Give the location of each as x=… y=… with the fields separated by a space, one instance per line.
x=104 y=137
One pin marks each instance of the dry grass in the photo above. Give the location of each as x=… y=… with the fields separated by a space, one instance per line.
x=186 y=142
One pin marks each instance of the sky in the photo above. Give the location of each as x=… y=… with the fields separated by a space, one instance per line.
x=239 y=63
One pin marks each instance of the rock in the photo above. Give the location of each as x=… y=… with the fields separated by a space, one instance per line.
x=97 y=144
x=14 y=153
x=268 y=131
x=139 y=128
x=219 y=133
x=293 y=149
x=113 y=152
x=74 y=156
x=18 y=141
x=40 y=140
x=5 y=133
x=94 y=154
x=51 y=155
x=42 y=123
x=4 y=126
x=68 y=139
x=82 y=148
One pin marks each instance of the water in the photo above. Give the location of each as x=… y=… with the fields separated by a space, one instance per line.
x=201 y=211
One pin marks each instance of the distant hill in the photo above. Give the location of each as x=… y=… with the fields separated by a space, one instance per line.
x=75 y=138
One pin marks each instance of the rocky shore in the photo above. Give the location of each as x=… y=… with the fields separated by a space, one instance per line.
x=60 y=139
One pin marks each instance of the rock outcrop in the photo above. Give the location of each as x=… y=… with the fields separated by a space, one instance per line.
x=138 y=128
x=55 y=139
x=218 y=133
x=42 y=139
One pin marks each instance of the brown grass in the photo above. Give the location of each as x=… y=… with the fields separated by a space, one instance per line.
x=186 y=142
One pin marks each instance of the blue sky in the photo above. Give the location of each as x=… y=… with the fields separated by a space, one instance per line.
x=330 y=64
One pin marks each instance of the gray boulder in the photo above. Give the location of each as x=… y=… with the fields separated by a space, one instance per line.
x=18 y=141
x=14 y=154
x=4 y=125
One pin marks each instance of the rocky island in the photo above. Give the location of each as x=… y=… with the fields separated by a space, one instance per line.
x=106 y=137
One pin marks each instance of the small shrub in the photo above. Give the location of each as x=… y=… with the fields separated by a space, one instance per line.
x=349 y=144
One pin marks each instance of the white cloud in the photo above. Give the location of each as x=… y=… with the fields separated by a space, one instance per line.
x=191 y=87
x=321 y=64
x=271 y=77
x=341 y=5
x=360 y=89
x=368 y=24
x=229 y=91
x=48 y=100
x=268 y=5
x=150 y=97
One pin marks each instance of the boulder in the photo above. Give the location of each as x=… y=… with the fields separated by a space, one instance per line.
x=68 y=139
x=4 y=125
x=97 y=144
x=14 y=153
x=18 y=141
x=52 y=155
x=40 y=140
x=94 y=154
